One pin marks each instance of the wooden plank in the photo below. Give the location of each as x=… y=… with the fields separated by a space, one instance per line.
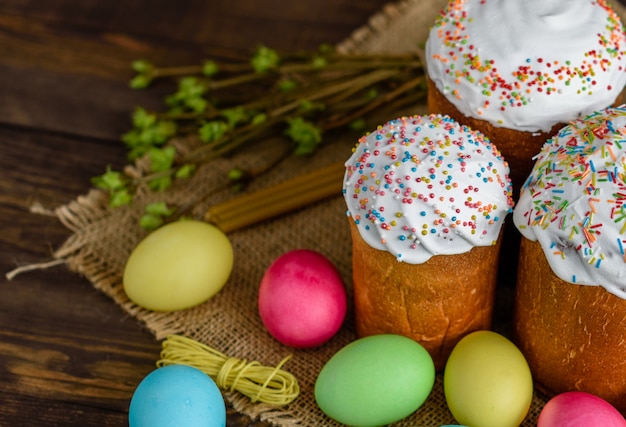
x=221 y=23
x=72 y=84
x=65 y=67
x=16 y=410
x=60 y=339
x=54 y=167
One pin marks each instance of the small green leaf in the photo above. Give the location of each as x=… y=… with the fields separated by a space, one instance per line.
x=165 y=130
x=148 y=131
x=131 y=138
x=150 y=222
x=265 y=59
x=154 y=215
x=235 y=115
x=119 y=198
x=306 y=105
x=188 y=97
x=137 y=152
x=142 y=66
x=160 y=184
x=210 y=68
x=140 y=81
x=305 y=134
x=319 y=62
x=287 y=85
x=149 y=136
x=190 y=87
x=212 y=131
x=259 y=119
x=111 y=180
x=185 y=171
x=142 y=118
x=158 y=208
x=161 y=159
x=197 y=105
x=236 y=174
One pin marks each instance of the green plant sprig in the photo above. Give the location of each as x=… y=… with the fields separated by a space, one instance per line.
x=221 y=107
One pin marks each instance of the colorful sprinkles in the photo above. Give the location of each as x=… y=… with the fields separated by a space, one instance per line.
x=418 y=183
x=492 y=82
x=574 y=201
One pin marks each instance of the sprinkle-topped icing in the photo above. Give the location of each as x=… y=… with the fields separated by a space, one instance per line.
x=528 y=65
x=420 y=186
x=574 y=201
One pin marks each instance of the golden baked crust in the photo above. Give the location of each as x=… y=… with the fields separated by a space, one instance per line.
x=436 y=303
x=573 y=336
x=517 y=147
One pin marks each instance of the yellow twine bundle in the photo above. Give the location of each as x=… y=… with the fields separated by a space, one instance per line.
x=259 y=383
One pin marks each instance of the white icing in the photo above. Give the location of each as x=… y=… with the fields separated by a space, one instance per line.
x=424 y=185
x=573 y=201
x=528 y=64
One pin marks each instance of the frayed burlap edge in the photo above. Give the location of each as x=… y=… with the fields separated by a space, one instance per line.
x=398 y=28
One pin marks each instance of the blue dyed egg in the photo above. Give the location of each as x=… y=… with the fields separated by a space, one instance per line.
x=177 y=395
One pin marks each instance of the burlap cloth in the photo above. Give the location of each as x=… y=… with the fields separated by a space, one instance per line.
x=102 y=239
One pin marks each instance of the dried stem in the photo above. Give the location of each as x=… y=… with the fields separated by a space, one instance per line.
x=329 y=92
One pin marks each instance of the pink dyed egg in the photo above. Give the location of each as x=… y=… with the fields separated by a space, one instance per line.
x=579 y=409
x=302 y=299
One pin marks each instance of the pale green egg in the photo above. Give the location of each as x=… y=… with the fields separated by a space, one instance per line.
x=487 y=381
x=375 y=381
x=178 y=266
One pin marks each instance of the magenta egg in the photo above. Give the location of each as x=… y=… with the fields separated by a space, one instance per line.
x=579 y=409
x=302 y=299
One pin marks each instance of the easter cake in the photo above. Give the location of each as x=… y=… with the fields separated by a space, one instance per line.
x=570 y=306
x=520 y=70
x=426 y=201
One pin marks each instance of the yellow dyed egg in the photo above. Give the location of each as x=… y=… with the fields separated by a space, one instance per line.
x=487 y=381
x=178 y=266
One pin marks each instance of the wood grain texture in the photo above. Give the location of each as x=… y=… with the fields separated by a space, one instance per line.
x=68 y=355
x=217 y=23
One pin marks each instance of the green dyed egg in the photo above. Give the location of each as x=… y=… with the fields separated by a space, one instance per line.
x=375 y=381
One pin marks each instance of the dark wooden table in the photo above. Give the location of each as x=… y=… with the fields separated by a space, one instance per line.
x=68 y=355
